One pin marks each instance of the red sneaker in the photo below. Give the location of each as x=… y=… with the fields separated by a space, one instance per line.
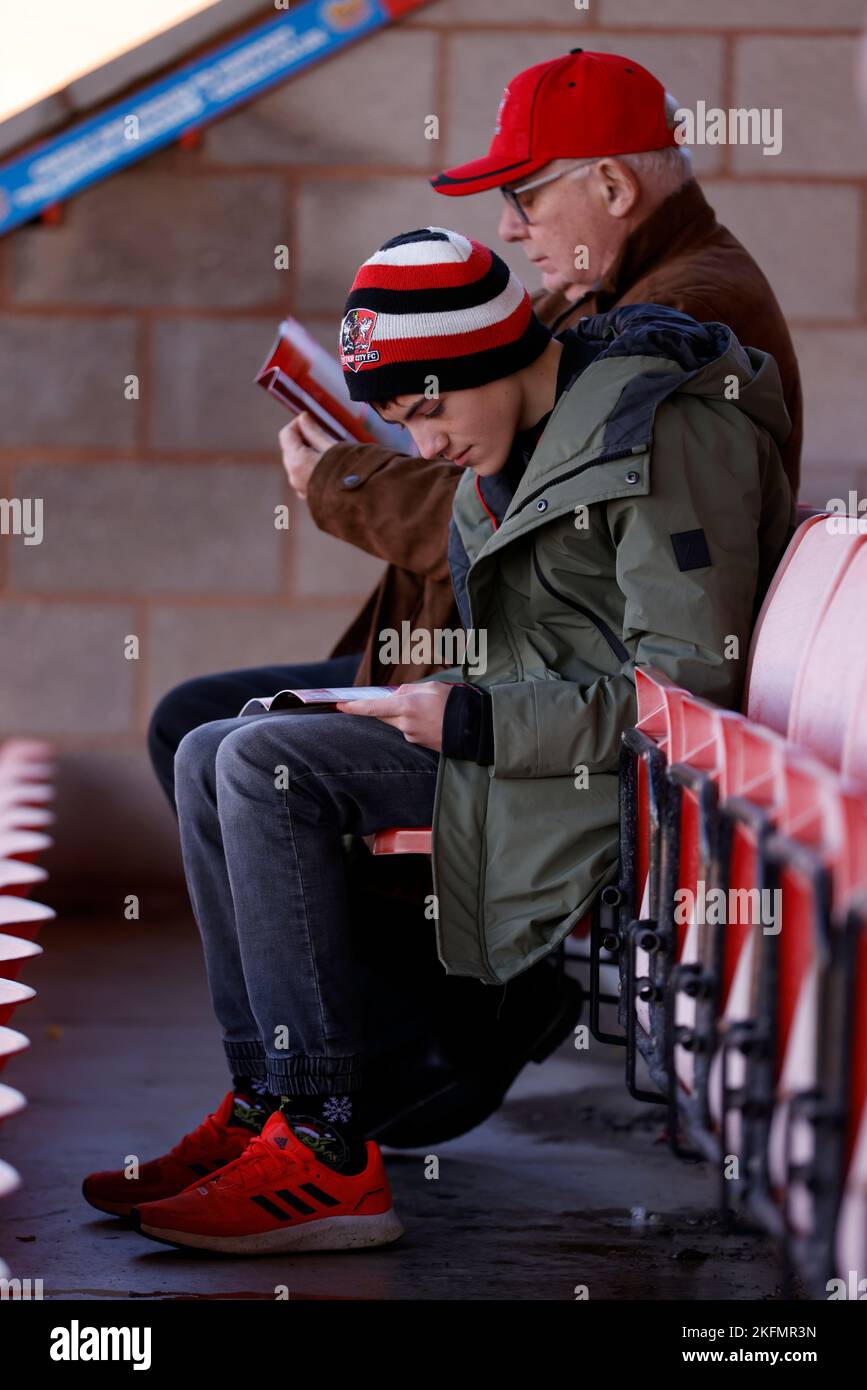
x=211 y=1146
x=278 y=1197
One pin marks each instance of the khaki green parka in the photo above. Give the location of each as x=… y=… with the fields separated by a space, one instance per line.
x=644 y=531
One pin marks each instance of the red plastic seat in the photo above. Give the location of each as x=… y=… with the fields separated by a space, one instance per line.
x=658 y=701
x=23 y=817
x=854 y=759
x=12 y=1102
x=17 y=876
x=699 y=745
x=791 y=614
x=17 y=791
x=15 y=952
x=851 y=1232
x=23 y=844
x=13 y=993
x=9 y=1182
x=22 y=772
x=26 y=760
x=397 y=840
x=23 y=916
x=19 y=750
x=11 y=1043
x=812 y=816
x=753 y=775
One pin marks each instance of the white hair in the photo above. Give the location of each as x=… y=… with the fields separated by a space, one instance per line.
x=666 y=169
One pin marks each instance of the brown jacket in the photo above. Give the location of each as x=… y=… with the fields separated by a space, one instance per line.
x=399 y=508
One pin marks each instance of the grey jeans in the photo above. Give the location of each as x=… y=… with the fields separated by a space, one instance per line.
x=263 y=803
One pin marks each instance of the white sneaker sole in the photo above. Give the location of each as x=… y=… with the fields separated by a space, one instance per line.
x=328 y=1233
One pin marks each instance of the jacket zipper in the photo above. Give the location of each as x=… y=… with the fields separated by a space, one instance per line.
x=602 y=627
x=573 y=473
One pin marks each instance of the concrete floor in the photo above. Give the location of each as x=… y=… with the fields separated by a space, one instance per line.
x=569 y=1184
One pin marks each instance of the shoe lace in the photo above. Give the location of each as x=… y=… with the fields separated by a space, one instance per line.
x=188 y=1147
x=258 y=1162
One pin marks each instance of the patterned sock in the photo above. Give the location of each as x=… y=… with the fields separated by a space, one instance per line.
x=327 y=1124
x=253 y=1103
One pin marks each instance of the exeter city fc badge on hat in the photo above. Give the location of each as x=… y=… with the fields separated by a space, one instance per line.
x=356 y=332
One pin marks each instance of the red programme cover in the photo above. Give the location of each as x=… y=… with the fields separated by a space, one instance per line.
x=302 y=376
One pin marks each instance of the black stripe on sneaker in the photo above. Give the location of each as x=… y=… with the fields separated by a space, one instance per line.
x=292 y=1201
x=200 y=1169
x=271 y=1209
x=324 y=1197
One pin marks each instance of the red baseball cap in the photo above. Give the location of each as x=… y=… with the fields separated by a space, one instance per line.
x=575 y=107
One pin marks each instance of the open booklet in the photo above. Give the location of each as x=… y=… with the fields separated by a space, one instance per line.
x=301 y=375
x=319 y=700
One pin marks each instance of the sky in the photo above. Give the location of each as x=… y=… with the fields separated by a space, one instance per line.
x=45 y=44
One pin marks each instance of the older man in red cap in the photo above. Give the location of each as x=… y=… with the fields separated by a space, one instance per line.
x=601 y=196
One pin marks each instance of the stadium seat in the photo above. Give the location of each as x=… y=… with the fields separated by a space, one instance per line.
x=23 y=844
x=9 y=1179
x=697 y=778
x=17 y=876
x=13 y=993
x=794 y=962
x=23 y=916
x=400 y=841
x=15 y=952
x=12 y=1102
x=782 y=819
x=808 y=1144
x=26 y=770
x=23 y=817
x=26 y=760
x=850 y=1240
x=11 y=1043
x=828 y=716
x=797 y=598
x=757 y=1027
x=19 y=791
x=854 y=760
x=25 y=750
x=636 y=896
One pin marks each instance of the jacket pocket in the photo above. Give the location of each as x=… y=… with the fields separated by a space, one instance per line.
x=602 y=627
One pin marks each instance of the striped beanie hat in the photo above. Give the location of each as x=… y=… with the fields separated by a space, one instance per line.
x=433 y=303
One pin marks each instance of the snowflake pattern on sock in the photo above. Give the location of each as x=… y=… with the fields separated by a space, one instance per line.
x=337 y=1109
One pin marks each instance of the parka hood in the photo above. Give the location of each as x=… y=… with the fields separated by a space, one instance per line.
x=641 y=354
x=709 y=358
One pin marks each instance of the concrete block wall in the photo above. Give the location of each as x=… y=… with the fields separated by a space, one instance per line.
x=159 y=510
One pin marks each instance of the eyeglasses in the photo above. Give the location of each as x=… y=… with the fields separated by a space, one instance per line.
x=511 y=194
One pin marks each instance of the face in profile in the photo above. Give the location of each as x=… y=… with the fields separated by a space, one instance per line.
x=472 y=428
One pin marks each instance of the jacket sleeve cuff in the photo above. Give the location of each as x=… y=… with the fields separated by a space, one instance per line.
x=468 y=725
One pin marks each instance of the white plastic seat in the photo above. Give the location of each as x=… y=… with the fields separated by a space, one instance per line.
x=794 y=606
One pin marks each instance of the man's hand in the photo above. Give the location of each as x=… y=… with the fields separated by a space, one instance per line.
x=302 y=442
x=417 y=710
